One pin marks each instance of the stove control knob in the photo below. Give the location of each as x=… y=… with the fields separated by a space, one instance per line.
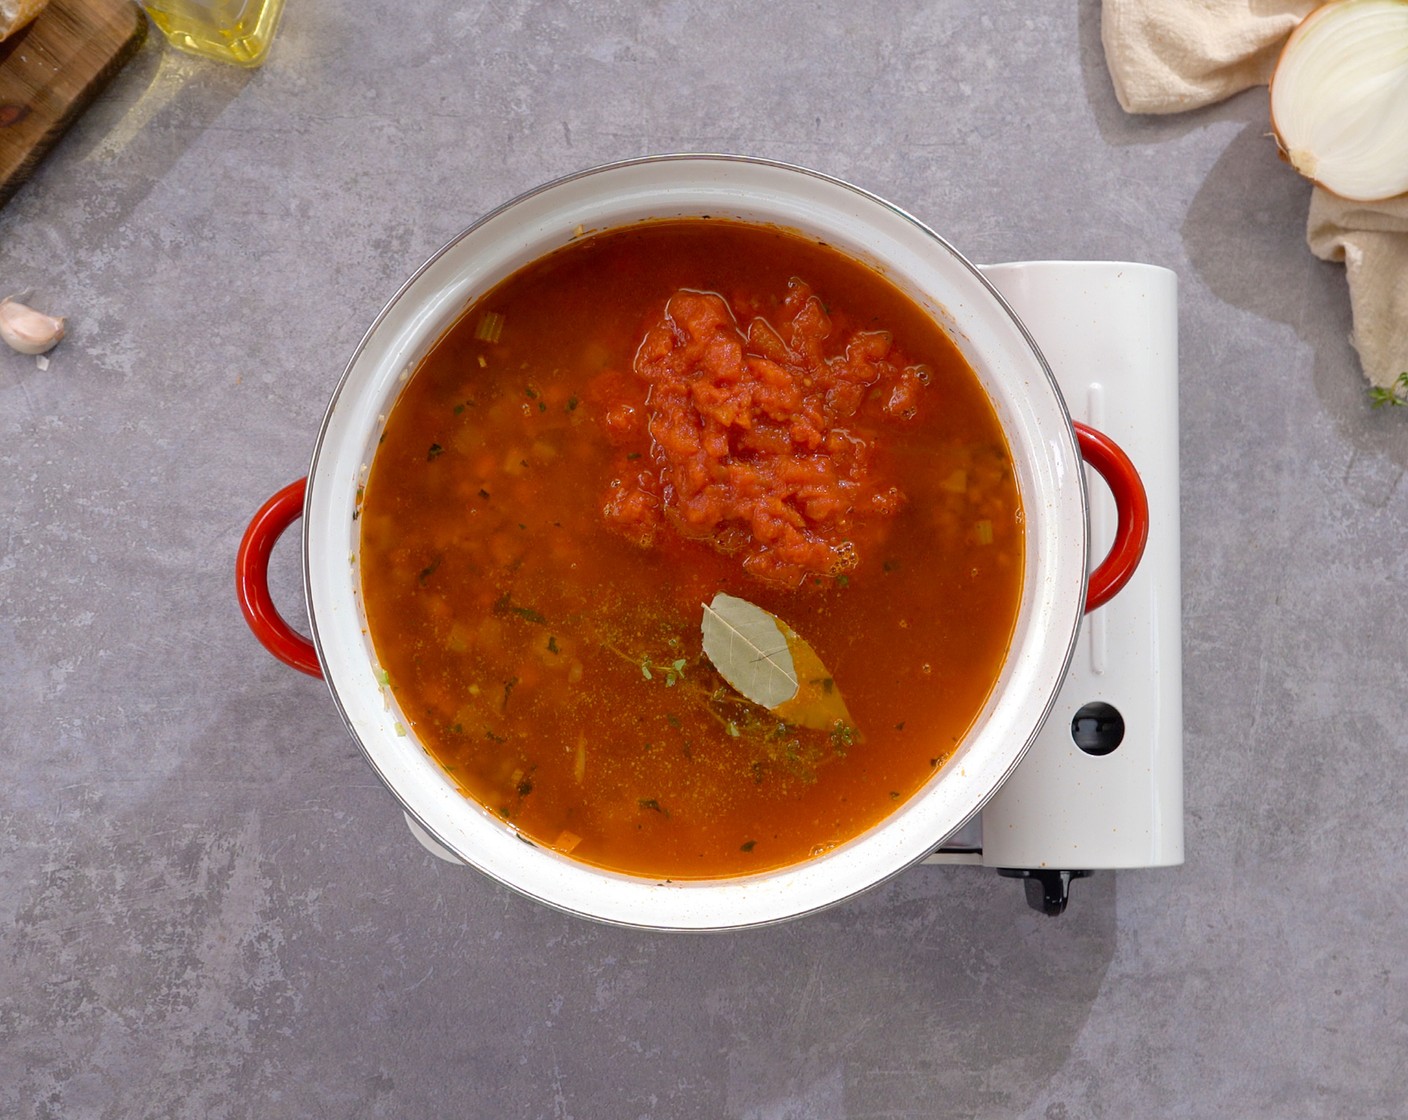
x=1098 y=728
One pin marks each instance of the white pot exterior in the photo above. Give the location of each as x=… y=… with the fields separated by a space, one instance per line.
x=1012 y=371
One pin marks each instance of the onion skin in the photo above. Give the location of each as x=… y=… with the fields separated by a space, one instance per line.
x=1339 y=99
x=15 y=15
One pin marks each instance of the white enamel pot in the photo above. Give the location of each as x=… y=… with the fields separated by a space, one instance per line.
x=1046 y=447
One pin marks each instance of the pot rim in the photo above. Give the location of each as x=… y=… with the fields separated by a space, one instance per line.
x=1067 y=450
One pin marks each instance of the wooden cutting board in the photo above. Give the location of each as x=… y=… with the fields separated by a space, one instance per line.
x=52 y=70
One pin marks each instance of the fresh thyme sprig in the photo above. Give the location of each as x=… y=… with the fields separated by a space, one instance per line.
x=672 y=671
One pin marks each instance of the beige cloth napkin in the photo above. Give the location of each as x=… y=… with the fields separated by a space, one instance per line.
x=1168 y=56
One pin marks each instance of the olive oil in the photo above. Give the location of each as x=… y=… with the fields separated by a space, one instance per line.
x=237 y=31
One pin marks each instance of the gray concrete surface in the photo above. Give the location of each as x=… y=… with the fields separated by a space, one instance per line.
x=208 y=905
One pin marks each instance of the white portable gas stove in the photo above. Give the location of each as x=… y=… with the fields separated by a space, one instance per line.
x=1101 y=788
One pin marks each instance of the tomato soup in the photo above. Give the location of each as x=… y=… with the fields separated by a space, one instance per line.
x=621 y=431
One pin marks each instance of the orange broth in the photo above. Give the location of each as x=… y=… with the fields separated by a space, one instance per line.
x=550 y=506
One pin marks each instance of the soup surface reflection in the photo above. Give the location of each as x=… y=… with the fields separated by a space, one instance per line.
x=616 y=434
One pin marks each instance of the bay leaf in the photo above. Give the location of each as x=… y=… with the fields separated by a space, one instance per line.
x=749 y=648
x=768 y=663
x=818 y=703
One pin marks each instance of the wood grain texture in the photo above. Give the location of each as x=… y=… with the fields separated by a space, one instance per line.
x=51 y=71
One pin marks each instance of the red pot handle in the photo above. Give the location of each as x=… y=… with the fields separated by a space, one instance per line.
x=1132 y=507
x=252 y=580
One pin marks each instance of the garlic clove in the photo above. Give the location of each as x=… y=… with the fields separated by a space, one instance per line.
x=1339 y=98
x=27 y=330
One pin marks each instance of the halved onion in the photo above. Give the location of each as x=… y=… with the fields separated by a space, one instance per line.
x=1339 y=98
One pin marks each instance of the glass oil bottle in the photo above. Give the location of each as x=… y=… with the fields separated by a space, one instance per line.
x=238 y=31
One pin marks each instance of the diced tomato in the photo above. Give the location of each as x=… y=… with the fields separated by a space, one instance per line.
x=763 y=445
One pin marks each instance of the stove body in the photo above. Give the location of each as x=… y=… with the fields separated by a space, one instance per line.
x=1102 y=786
